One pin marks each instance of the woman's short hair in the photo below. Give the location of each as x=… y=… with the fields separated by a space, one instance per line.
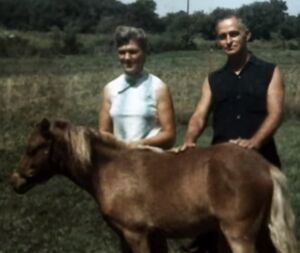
x=124 y=34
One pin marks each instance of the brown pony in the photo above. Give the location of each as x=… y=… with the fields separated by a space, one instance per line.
x=148 y=195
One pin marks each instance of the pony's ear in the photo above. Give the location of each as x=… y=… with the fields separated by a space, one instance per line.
x=44 y=126
x=59 y=127
x=61 y=124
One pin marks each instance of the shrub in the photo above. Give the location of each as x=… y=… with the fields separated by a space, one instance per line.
x=169 y=42
x=13 y=45
x=71 y=45
x=56 y=37
x=100 y=43
x=293 y=44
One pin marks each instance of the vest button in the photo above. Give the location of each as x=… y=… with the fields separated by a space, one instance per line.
x=238 y=116
x=238 y=97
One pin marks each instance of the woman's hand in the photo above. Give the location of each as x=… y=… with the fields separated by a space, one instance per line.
x=183 y=147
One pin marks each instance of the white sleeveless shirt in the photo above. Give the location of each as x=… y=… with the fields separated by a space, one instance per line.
x=133 y=106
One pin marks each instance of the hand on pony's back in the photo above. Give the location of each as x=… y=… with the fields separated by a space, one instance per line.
x=183 y=147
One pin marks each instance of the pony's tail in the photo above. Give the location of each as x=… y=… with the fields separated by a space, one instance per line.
x=282 y=219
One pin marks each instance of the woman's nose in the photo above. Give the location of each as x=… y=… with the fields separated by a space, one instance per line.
x=127 y=56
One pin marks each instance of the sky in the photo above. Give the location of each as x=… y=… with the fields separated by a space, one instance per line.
x=167 y=6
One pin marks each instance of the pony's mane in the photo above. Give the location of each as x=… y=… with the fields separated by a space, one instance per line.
x=79 y=146
x=79 y=139
x=109 y=140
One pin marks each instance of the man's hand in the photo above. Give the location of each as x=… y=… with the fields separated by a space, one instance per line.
x=246 y=143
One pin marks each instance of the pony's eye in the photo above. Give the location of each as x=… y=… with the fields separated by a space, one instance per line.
x=31 y=151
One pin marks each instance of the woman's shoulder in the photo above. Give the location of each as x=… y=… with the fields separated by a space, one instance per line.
x=157 y=82
x=117 y=81
x=115 y=85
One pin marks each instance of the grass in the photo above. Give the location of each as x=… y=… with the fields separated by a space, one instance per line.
x=58 y=216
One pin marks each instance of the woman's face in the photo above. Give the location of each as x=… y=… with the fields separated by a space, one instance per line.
x=132 y=57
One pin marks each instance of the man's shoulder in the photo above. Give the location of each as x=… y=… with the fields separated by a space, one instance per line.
x=215 y=73
x=261 y=62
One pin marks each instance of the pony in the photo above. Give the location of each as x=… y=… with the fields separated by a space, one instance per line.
x=148 y=195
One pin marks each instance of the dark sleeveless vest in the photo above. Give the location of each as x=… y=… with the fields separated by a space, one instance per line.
x=239 y=103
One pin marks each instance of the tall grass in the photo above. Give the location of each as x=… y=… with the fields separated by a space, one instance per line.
x=58 y=217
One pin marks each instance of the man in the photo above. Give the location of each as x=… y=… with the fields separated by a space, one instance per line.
x=246 y=98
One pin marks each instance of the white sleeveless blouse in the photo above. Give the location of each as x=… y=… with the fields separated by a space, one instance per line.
x=133 y=106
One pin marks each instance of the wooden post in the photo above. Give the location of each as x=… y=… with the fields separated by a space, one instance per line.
x=188 y=7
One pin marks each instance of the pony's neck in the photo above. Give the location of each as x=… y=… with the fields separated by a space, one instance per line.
x=72 y=155
x=106 y=148
x=84 y=152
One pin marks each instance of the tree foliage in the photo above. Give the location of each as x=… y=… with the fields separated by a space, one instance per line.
x=263 y=18
x=90 y=16
x=142 y=14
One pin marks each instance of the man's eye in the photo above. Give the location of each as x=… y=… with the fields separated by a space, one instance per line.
x=234 y=34
x=222 y=36
x=132 y=52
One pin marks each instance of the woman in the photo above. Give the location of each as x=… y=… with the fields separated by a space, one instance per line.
x=137 y=106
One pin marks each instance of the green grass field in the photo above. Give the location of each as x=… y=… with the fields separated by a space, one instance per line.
x=58 y=216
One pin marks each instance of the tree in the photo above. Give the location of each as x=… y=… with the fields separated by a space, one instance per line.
x=142 y=14
x=198 y=22
x=210 y=21
x=263 y=18
x=298 y=26
x=177 y=22
x=289 y=28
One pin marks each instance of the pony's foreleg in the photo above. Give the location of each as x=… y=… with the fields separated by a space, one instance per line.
x=137 y=241
x=240 y=245
x=158 y=243
x=282 y=219
x=125 y=248
x=241 y=236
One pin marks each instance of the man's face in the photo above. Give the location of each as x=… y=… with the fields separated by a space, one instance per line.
x=231 y=36
x=132 y=57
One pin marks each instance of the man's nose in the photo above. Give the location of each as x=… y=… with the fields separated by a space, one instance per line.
x=228 y=39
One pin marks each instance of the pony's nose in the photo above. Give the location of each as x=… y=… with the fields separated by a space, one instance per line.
x=16 y=181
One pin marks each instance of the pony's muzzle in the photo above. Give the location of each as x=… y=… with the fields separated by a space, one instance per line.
x=18 y=182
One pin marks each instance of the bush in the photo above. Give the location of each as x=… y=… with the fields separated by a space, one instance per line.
x=56 y=40
x=169 y=42
x=71 y=45
x=12 y=45
x=100 y=43
x=293 y=44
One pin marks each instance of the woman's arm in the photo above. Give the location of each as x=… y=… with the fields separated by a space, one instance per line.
x=165 y=110
x=105 y=121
